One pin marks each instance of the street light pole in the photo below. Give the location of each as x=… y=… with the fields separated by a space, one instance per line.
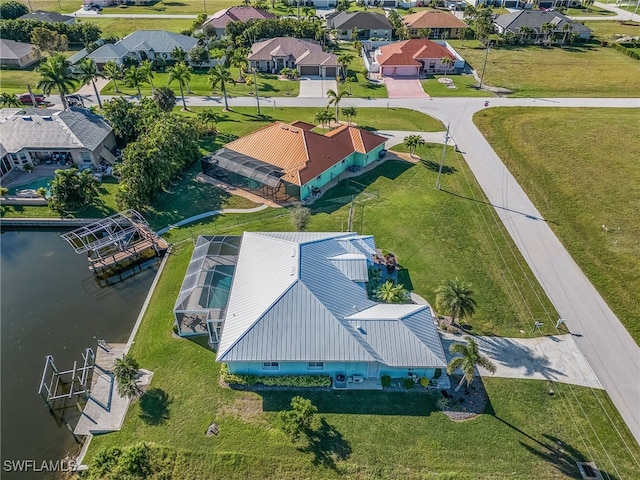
x=444 y=151
x=484 y=65
x=255 y=84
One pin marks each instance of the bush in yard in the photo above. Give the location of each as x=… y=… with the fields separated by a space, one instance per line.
x=385 y=380
x=408 y=383
x=300 y=217
x=299 y=419
x=277 y=381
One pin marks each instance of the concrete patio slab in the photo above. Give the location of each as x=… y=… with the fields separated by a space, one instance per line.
x=556 y=358
x=316 y=87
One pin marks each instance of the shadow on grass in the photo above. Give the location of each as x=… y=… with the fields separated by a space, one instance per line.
x=361 y=402
x=327 y=445
x=435 y=167
x=154 y=406
x=404 y=278
x=351 y=187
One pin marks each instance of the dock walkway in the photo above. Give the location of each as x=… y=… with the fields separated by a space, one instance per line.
x=105 y=410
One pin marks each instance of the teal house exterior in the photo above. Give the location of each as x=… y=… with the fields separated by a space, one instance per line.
x=292 y=162
x=298 y=305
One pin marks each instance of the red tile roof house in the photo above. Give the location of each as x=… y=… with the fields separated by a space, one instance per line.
x=441 y=24
x=289 y=161
x=413 y=58
x=284 y=52
x=218 y=22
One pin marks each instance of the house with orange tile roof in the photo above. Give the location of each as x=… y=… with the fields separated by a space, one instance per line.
x=438 y=24
x=285 y=161
x=415 y=57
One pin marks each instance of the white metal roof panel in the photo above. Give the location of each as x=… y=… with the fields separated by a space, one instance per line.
x=387 y=311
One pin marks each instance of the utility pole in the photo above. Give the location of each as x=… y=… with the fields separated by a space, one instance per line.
x=255 y=84
x=444 y=151
x=484 y=65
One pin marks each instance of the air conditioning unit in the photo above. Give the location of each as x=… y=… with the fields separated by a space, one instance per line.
x=358 y=379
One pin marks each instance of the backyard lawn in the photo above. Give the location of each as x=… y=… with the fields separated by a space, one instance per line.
x=121 y=27
x=523 y=429
x=361 y=87
x=595 y=182
x=16 y=81
x=465 y=86
x=575 y=71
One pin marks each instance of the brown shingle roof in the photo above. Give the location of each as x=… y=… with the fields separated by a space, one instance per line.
x=301 y=153
x=305 y=52
x=236 y=14
x=409 y=51
x=426 y=19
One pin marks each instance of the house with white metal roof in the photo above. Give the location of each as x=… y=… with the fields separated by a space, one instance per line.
x=298 y=305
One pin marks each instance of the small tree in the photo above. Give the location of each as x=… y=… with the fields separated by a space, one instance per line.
x=135 y=77
x=455 y=298
x=112 y=71
x=335 y=98
x=300 y=217
x=390 y=292
x=125 y=371
x=412 y=142
x=468 y=361
x=49 y=41
x=165 y=98
x=349 y=113
x=87 y=74
x=182 y=74
x=9 y=100
x=12 y=10
x=300 y=419
x=72 y=190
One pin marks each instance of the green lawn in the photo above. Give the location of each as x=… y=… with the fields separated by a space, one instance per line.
x=361 y=87
x=588 y=11
x=465 y=87
x=606 y=30
x=517 y=435
x=16 y=81
x=575 y=71
x=64 y=6
x=121 y=27
x=595 y=182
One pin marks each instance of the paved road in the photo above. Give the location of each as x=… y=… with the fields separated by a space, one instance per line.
x=610 y=350
x=619 y=14
x=93 y=14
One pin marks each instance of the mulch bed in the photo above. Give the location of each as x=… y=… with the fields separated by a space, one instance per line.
x=465 y=403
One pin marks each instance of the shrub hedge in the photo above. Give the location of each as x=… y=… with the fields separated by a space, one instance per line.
x=276 y=381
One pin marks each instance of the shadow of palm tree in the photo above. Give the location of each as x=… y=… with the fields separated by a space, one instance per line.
x=154 y=406
x=327 y=445
x=435 y=167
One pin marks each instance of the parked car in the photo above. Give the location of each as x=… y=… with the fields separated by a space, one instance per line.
x=75 y=100
x=25 y=99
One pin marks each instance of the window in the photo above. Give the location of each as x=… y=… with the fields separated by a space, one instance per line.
x=270 y=365
x=316 y=366
x=86 y=158
x=318 y=177
x=343 y=160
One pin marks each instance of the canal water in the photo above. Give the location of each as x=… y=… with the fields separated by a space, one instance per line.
x=50 y=305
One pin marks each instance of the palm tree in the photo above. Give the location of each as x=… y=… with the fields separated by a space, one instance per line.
x=446 y=62
x=468 y=361
x=344 y=60
x=165 y=98
x=220 y=75
x=125 y=371
x=239 y=60
x=112 y=71
x=334 y=99
x=55 y=73
x=389 y=292
x=547 y=30
x=147 y=70
x=209 y=118
x=87 y=73
x=526 y=33
x=347 y=83
x=323 y=117
x=9 y=100
x=134 y=77
x=567 y=28
x=424 y=32
x=349 y=112
x=182 y=73
x=455 y=298
x=412 y=142
x=179 y=55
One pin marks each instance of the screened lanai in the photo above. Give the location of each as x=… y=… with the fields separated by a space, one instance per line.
x=202 y=301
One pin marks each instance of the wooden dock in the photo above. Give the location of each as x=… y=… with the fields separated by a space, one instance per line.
x=105 y=409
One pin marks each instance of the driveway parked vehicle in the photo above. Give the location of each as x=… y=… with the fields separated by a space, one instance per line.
x=25 y=99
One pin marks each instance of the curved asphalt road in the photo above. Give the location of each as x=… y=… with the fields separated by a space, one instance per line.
x=608 y=347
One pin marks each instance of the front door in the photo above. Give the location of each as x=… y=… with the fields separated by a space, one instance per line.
x=374 y=370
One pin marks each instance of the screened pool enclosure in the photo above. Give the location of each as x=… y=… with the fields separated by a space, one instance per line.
x=202 y=302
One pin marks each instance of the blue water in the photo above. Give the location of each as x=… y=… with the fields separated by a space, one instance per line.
x=43 y=182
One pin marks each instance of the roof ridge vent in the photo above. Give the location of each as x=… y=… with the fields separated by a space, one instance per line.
x=284 y=127
x=27 y=118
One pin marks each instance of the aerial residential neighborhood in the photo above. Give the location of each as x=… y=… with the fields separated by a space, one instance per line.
x=320 y=239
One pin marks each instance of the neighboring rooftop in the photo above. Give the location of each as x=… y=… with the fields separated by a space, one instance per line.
x=294 y=299
x=48 y=17
x=408 y=51
x=359 y=20
x=301 y=153
x=222 y=18
x=428 y=19
x=14 y=50
x=305 y=52
x=536 y=18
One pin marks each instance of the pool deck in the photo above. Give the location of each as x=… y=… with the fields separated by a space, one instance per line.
x=105 y=409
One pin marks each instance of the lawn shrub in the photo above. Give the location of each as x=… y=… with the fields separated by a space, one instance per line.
x=626 y=50
x=408 y=383
x=385 y=380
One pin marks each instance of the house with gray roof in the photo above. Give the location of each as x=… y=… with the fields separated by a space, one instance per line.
x=30 y=136
x=154 y=45
x=306 y=56
x=366 y=24
x=17 y=54
x=298 y=305
x=48 y=17
x=535 y=19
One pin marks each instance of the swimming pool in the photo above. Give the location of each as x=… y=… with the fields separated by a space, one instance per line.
x=32 y=185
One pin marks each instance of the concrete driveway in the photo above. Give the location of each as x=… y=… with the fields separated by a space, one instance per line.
x=556 y=358
x=316 y=87
x=404 y=87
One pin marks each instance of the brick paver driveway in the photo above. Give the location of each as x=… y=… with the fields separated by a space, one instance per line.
x=404 y=87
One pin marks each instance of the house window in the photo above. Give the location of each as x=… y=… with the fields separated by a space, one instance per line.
x=86 y=158
x=318 y=177
x=270 y=365
x=343 y=160
x=316 y=366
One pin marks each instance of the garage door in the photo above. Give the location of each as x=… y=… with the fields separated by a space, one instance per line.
x=331 y=71
x=406 y=71
x=389 y=3
x=309 y=70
